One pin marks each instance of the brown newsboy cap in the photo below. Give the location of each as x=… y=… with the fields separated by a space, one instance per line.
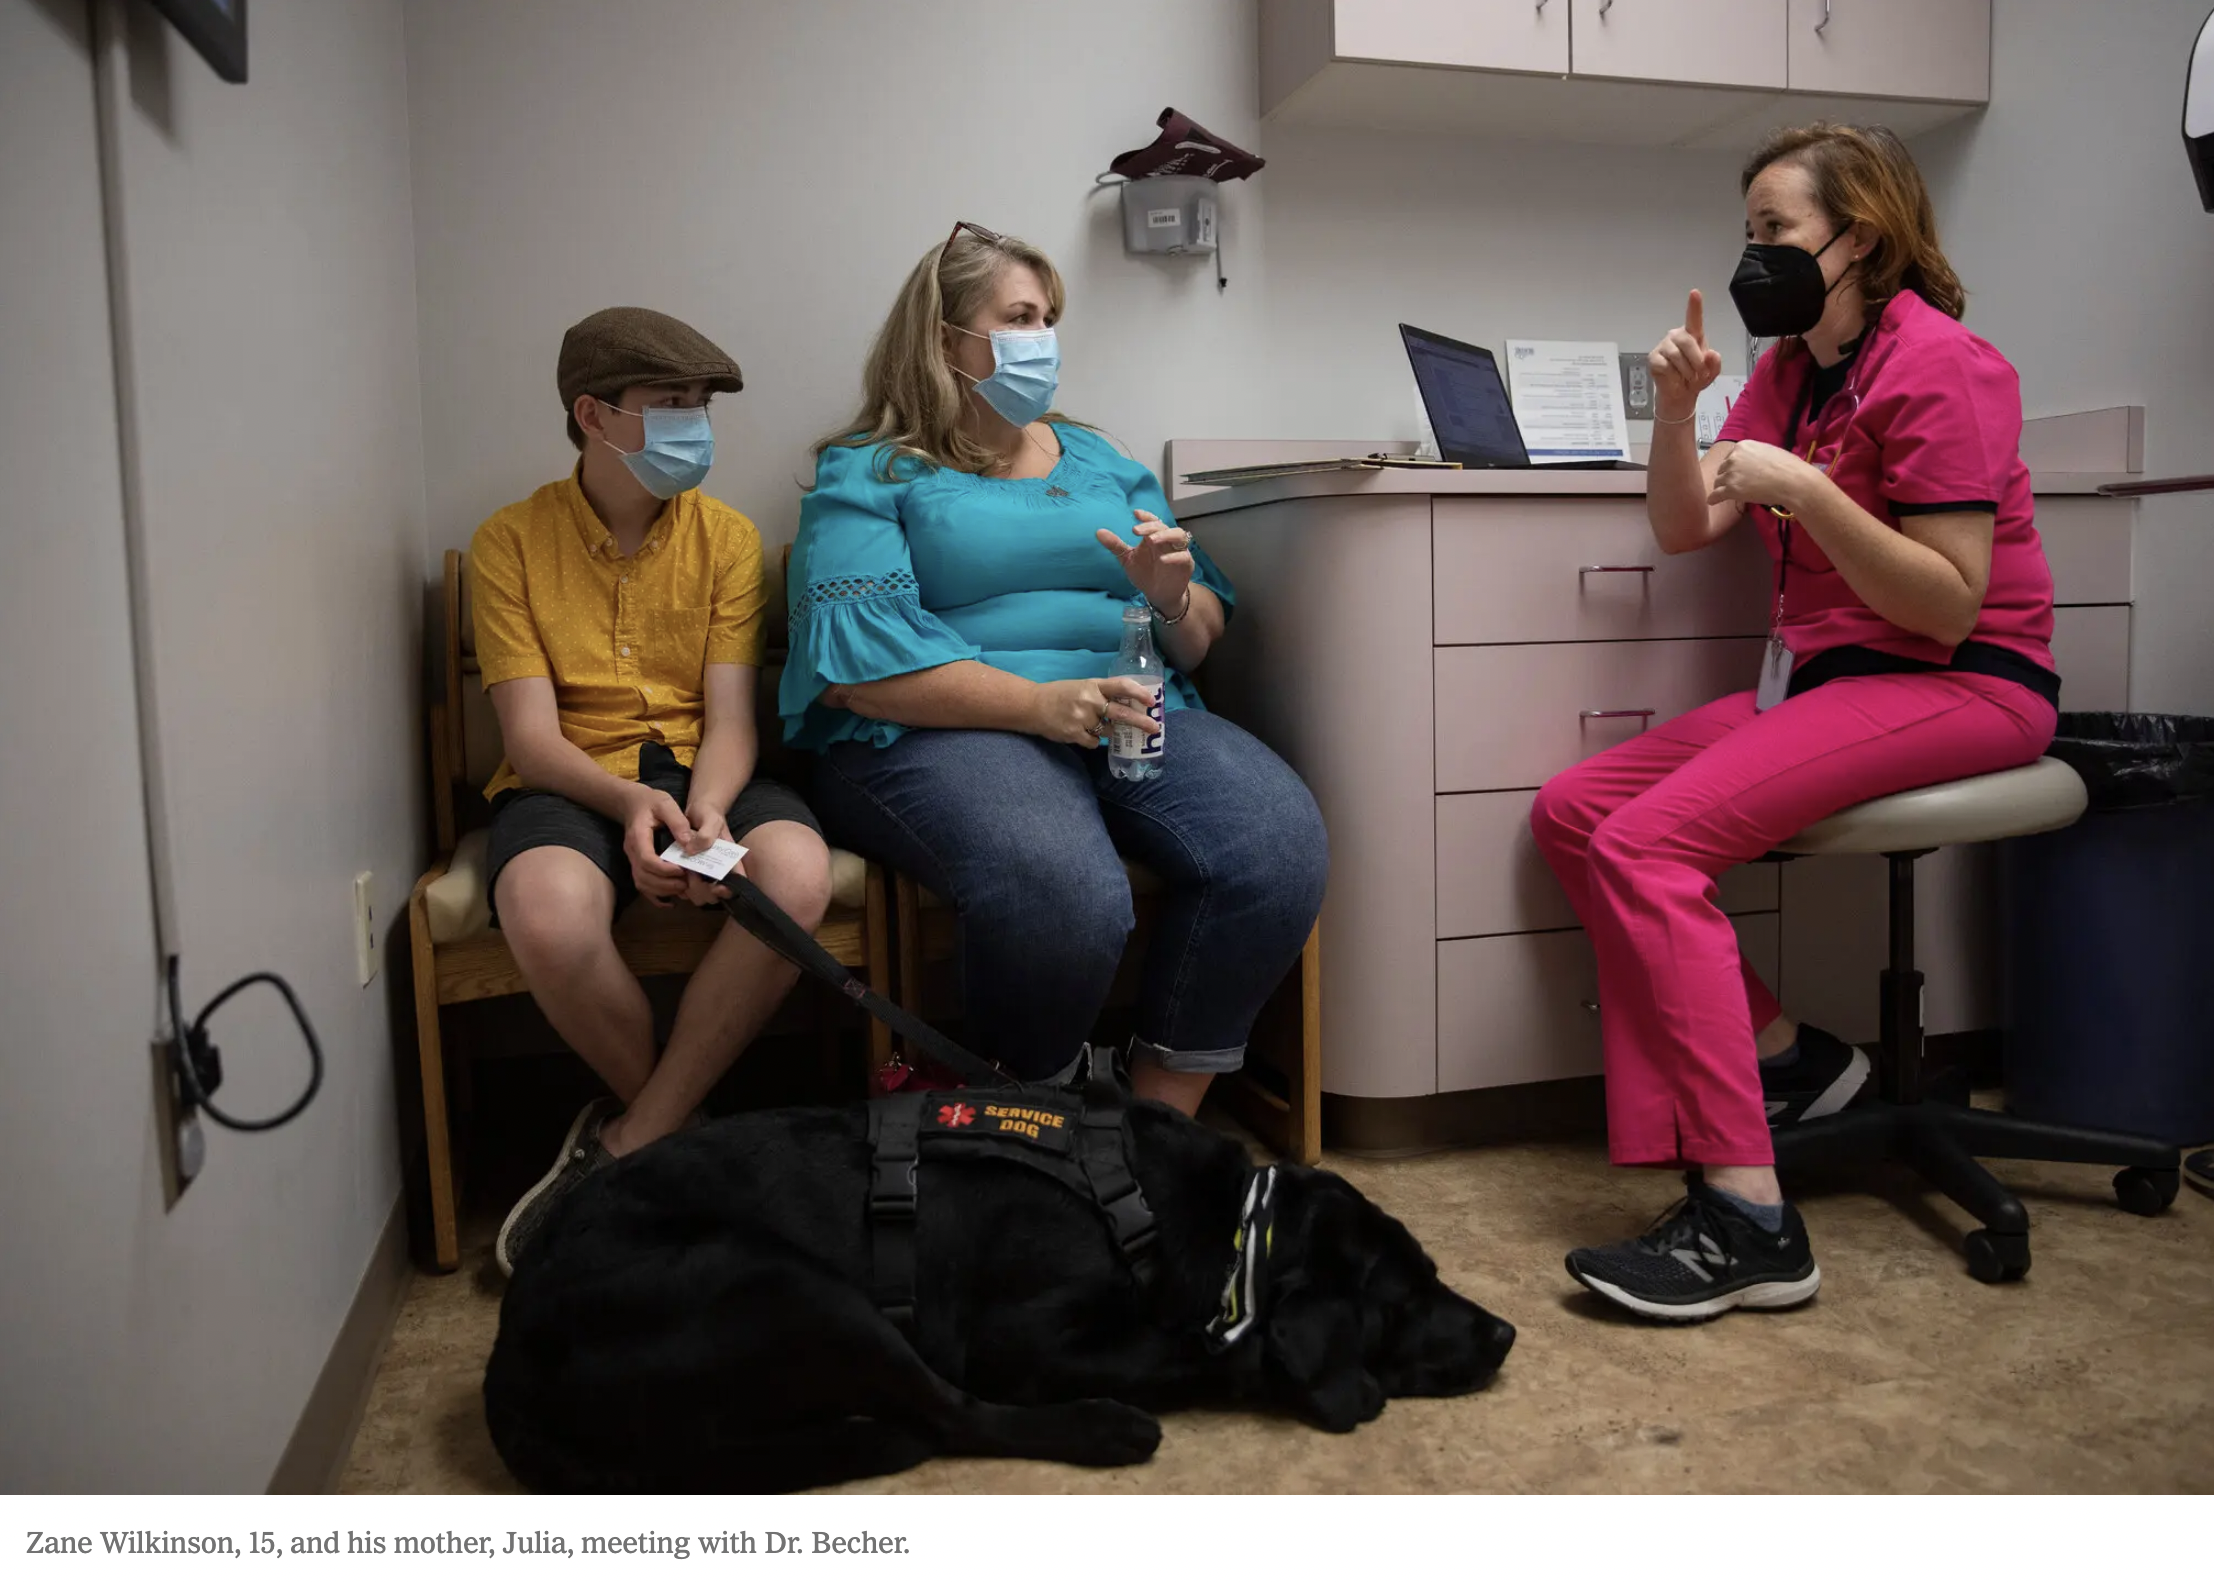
x=617 y=348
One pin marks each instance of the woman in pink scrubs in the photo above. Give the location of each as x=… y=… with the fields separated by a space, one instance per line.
x=1875 y=450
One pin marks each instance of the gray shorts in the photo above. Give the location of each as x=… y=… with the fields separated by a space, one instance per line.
x=522 y=819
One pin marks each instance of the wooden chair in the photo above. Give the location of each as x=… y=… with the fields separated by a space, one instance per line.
x=458 y=956
x=1277 y=1096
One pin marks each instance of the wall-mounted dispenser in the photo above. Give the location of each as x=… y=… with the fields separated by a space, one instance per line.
x=1169 y=214
x=1168 y=189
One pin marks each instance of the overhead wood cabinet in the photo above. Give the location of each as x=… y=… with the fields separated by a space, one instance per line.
x=1725 y=43
x=1693 y=73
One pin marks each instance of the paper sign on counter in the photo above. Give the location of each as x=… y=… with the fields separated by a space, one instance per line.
x=1568 y=400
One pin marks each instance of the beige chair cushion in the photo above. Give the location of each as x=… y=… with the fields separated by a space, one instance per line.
x=1143 y=881
x=2045 y=795
x=457 y=902
x=459 y=907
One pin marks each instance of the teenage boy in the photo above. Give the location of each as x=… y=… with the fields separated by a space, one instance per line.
x=619 y=628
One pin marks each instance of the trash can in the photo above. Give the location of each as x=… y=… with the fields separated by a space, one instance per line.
x=2109 y=940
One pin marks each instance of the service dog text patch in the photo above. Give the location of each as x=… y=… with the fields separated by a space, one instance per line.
x=969 y=1116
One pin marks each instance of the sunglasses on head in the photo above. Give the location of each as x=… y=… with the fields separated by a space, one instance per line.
x=978 y=231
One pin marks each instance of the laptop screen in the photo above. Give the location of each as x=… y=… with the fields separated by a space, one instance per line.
x=1466 y=400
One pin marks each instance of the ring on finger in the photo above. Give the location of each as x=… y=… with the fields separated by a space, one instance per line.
x=1099 y=728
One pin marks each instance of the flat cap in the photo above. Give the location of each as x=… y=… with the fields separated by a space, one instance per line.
x=619 y=347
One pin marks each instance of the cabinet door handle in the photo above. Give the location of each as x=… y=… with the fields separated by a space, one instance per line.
x=1585 y=571
x=1604 y=7
x=1541 y=7
x=1615 y=714
x=1821 y=25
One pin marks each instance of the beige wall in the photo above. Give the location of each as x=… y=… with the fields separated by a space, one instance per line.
x=272 y=313
x=76 y=934
x=771 y=172
x=2070 y=210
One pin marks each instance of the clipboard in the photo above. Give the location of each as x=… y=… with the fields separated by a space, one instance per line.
x=1374 y=462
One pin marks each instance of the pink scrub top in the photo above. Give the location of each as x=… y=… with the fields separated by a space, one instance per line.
x=1929 y=420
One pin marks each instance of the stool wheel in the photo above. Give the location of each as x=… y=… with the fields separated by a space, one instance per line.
x=1995 y=1259
x=2147 y=1192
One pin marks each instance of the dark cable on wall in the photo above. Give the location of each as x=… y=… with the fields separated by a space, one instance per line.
x=199 y=1068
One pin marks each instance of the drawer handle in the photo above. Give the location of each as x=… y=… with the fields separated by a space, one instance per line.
x=1615 y=714
x=1590 y=1005
x=1820 y=26
x=1585 y=571
x=1604 y=7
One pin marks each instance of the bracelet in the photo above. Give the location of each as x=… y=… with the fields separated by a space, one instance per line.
x=1171 y=620
x=1686 y=418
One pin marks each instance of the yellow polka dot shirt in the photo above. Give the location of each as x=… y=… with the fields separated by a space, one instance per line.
x=625 y=641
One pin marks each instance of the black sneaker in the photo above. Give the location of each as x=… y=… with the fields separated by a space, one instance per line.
x=580 y=1155
x=1826 y=1075
x=1703 y=1257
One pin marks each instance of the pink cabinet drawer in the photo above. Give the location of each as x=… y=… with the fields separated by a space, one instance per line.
x=1520 y=1007
x=1551 y=571
x=1513 y=716
x=1492 y=880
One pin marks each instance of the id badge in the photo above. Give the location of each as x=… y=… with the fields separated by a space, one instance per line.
x=1775 y=676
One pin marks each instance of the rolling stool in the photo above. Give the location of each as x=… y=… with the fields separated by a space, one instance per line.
x=1942 y=1139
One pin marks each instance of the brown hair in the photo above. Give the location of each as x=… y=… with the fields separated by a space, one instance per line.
x=1863 y=175
x=911 y=399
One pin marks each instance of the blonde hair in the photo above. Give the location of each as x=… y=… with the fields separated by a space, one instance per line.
x=1863 y=175
x=911 y=399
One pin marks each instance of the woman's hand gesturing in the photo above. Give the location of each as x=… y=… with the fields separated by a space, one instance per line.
x=1756 y=473
x=1159 y=565
x=1683 y=364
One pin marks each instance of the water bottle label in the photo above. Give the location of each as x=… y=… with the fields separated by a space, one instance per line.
x=1130 y=742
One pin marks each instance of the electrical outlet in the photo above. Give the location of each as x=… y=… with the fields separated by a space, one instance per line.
x=182 y=1146
x=368 y=949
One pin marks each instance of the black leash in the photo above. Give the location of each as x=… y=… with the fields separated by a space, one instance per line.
x=766 y=921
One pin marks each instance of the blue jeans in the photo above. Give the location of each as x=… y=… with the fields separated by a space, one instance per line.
x=1024 y=838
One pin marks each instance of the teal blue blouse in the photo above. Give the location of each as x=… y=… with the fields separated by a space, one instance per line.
x=935 y=565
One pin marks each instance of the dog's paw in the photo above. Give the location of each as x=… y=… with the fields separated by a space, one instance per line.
x=1107 y=1433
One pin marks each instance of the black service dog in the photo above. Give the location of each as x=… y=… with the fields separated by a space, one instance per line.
x=698 y=1317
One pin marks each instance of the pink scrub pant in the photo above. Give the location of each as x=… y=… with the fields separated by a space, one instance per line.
x=1638 y=834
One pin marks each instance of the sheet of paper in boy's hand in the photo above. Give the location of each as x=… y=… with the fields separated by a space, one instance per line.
x=712 y=863
x=1567 y=399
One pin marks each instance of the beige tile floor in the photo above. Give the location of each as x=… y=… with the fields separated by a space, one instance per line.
x=2094 y=1374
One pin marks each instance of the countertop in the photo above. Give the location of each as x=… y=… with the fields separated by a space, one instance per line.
x=1523 y=482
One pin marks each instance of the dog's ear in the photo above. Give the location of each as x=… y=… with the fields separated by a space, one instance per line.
x=1316 y=1362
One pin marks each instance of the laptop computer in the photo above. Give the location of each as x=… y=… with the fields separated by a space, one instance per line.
x=1469 y=410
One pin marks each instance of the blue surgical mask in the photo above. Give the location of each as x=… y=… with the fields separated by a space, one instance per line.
x=679 y=448
x=1026 y=370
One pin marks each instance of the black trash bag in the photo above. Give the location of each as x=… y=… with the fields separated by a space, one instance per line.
x=2138 y=760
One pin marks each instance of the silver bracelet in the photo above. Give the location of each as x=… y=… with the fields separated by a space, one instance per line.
x=1686 y=418
x=1172 y=620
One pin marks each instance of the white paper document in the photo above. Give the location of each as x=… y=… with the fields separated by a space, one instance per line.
x=1568 y=400
x=712 y=863
x=1714 y=407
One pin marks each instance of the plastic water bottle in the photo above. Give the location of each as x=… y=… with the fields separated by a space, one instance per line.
x=1131 y=753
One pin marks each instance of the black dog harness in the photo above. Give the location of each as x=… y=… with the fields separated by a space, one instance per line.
x=1078 y=1139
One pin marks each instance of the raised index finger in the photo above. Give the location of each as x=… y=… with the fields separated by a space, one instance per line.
x=1695 y=318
